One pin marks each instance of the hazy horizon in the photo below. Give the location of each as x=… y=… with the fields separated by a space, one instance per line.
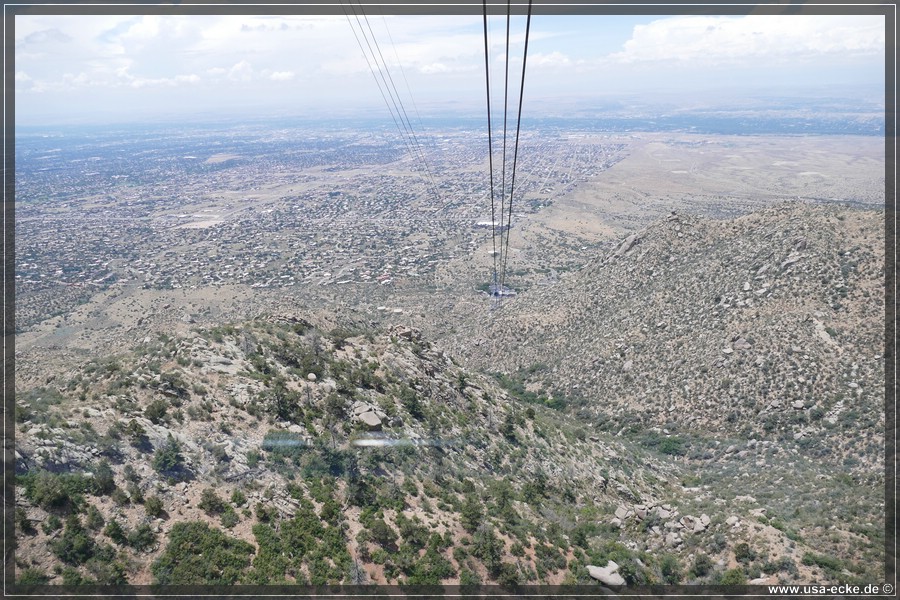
x=116 y=69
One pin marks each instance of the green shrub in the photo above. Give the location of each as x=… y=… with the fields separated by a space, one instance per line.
x=154 y=506
x=50 y=491
x=702 y=565
x=197 y=554
x=156 y=411
x=115 y=532
x=471 y=514
x=142 y=538
x=743 y=553
x=487 y=547
x=210 y=502
x=670 y=569
x=107 y=571
x=508 y=575
x=103 y=479
x=784 y=564
x=168 y=460
x=831 y=565
x=120 y=497
x=265 y=513
x=468 y=577
x=270 y=562
x=733 y=577
x=22 y=521
x=382 y=534
x=138 y=436
x=135 y=493
x=32 y=576
x=430 y=569
x=229 y=518
x=71 y=576
x=51 y=524
x=74 y=546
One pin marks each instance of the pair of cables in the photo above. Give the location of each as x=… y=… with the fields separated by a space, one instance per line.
x=501 y=257
x=362 y=31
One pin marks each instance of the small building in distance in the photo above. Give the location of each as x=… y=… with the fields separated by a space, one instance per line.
x=496 y=289
x=490 y=224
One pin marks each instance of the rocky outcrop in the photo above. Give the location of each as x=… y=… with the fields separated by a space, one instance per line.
x=608 y=574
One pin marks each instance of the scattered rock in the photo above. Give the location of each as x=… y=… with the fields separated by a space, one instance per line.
x=673 y=539
x=741 y=344
x=794 y=257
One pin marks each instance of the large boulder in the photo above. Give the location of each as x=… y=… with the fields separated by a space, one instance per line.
x=627 y=244
x=607 y=574
x=371 y=420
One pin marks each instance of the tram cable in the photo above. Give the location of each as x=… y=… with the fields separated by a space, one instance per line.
x=516 y=150
x=389 y=92
x=502 y=257
x=487 y=76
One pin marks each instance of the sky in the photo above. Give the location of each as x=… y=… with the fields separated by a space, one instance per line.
x=92 y=68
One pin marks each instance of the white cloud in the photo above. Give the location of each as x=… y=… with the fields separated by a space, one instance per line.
x=22 y=77
x=82 y=79
x=724 y=40
x=553 y=59
x=46 y=36
x=281 y=76
x=142 y=82
x=439 y=67
x=144 y=29
x=241 y=71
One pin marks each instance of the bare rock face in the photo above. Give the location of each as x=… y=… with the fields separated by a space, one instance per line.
x=607 y=574
x=626 y=245
x=406 y=333
x=371 y=420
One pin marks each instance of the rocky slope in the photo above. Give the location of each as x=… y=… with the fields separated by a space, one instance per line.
x=275 y=451
x=770 y=326
x=369 y=444
x=752 y=348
